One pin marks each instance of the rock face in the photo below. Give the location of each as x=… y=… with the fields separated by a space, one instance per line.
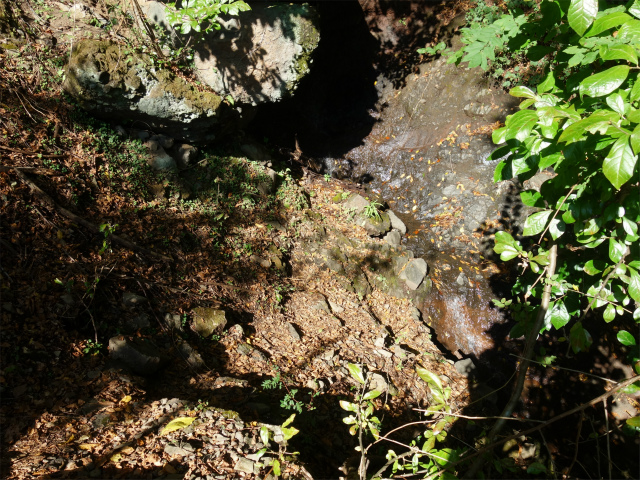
x=113 y=83
x=261 y=55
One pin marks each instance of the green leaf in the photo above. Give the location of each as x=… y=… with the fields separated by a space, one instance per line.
x=507 y=252
x=635 y=9
x=523 y=92
x=598 y=119
x=616 y=250
x=635 y=139
x=609 y=313
x=519 y=124
x=371 y=395
x=581 y=14
x=604 y=83
x=626 y=338
x=629 y=32
x=177 y=424
x=356 y=372
x=620 y=163
x=288 y=421
x=348 y=406
x=556 y=228
x=504 y=237
x=606 y=22
x=619 y=52
x=593 y=267
x=616 y=102
x=634 y=285
x=633 y=422
x=631 y=228
x=536 y=222
x=547 y=84
x=559 y=316
x=580 y=339
x=264 y=435
x=531 y=198
x=429 y=377
x=276 y=467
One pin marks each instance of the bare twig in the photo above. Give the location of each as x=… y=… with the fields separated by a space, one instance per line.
x=577 y=409
x=606 y=423
x=570 y=370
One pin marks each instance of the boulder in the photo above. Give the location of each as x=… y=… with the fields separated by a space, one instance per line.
x=115 y=83
x=207 y=321
x=414 y=272
x=376 y=225
x=260 y=55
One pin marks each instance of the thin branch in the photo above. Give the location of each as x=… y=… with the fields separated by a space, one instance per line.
x=604 y=284
x=570 y=370
x=517 y=419
x=577 y=409
x=606 y=423
x=575 y=454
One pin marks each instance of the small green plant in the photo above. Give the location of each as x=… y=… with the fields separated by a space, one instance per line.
x=92 y=347
x=434 y=50
x=372 y=210
x=107 y=229
x=289 y=401
x=281 y=436
x=273 y=383
x=68 y=285
x=201 y=405
x=327 y=177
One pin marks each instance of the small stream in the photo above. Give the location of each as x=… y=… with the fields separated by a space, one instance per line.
x=427 y=156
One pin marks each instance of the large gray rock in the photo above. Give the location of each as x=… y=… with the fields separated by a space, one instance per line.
x=261 y=55
x=115 y=83
x=376 y=225
x=414 y=272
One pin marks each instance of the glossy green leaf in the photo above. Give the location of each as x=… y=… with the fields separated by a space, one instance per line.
x=616 y=250
x=631 y=228
x=616 y=103
x=504 y=237
x=609 y=313
x=635 y=139
x=522 y=92
x=626 y=338
x=619 y=52
x=581 y=14
x=629 y=31
x=634 y=285
x=275 y=464
x=429 y=377
x=577 y=130
x=547 y=84
x=507 y=253
x=531 y=198
x=579 y=338
x=604 y=83
x=371 y=395
x=519 y=124
x=559 y=316
x=536 y=222
x=634 y=9
x=556 y=228
x=606 y=22
x=593 y=267
x=619 y=164
x=356 y=372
